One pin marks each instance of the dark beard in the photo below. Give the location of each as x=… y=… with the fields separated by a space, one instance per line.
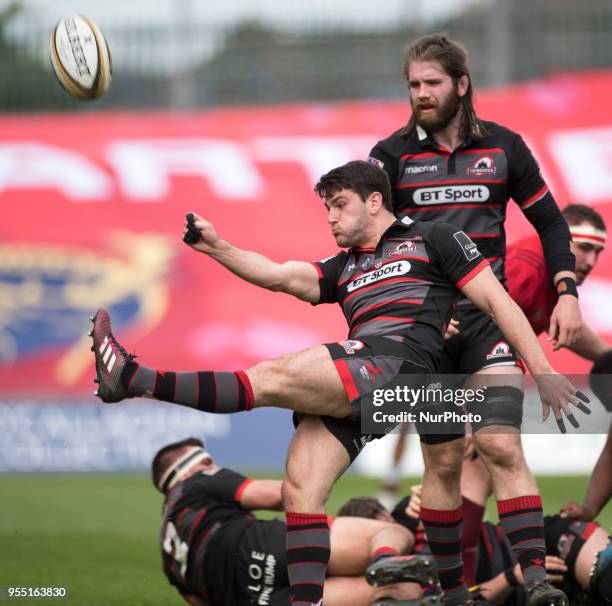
x=443 y=116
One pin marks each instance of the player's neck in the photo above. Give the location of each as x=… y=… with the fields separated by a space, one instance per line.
x=449 y=138
x=378 y=227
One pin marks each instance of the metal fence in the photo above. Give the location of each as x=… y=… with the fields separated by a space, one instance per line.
x=200 y=59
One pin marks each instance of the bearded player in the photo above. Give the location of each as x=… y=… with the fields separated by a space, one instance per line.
x=446 y=164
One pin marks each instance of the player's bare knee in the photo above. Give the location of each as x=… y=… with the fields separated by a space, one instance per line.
x=500 y=450
x=271 y=380
x=299 y=495
x=402 y=537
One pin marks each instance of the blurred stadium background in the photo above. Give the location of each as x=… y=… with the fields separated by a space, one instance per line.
x=232 y=109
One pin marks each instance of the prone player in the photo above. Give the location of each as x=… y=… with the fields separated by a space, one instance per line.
x=578 y=553
x=217 y=553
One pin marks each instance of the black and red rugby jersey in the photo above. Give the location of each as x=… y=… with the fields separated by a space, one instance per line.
x=194 y=511
x=405 y=287
x=469 y=187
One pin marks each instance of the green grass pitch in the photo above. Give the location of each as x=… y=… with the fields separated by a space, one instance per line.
x=98 y=534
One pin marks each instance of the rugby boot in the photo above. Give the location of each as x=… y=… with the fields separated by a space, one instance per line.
x=402 y=569
x=542 y=593
x=430 y=600
x=111 y=359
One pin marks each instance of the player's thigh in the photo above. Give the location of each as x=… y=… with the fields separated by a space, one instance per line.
x=347 y=591
x=315 y=460
x=355 y=591
x=586 y=556
x=306 y=382
x=497 y=376
x=350 y=544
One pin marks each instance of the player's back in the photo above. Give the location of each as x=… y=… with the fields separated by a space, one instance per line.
x=196 y=512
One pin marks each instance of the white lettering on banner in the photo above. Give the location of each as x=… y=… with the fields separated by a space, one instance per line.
x=32 y=165
x=448 y=195
x=80 y=436
x=143 y=167
x=316 y=154
x=584 y=157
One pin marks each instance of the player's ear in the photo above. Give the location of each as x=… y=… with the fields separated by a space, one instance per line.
x=462 y=85
x=375 y=202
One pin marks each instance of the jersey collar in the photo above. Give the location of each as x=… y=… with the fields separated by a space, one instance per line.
x=402 y=223
x=425 y=140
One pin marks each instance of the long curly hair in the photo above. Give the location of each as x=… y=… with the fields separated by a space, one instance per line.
x=453 y=58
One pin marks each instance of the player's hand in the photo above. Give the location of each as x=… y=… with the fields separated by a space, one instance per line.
x=573 y=509
x=452 y=330
x=558 y=393
x=565 y=324
x=199 y=233
x=414 y=507
x=555 y=569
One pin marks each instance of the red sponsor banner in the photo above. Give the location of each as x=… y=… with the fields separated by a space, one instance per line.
x=93 y=207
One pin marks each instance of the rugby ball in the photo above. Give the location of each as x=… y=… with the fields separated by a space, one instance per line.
x=80 y=57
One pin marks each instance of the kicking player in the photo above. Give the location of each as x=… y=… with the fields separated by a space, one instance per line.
x=397 y=285
x=216 y=553
x=448 y=165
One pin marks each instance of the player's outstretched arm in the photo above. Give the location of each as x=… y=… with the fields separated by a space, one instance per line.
x=293 y=277
x=262 y=494
x=555 y=390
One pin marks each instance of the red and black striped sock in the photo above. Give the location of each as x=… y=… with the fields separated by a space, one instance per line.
x=443 y=530
x=472 y=520
x=308 y=552
x=523 y=524
x=220 y=392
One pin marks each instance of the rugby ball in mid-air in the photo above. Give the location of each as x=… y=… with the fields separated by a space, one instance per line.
x=80 y=57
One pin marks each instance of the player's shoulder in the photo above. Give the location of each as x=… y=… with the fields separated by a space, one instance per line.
x=198 y=482
x=396 y=143
x=338 y=258
x=497 y=134
x=432 y=230
x=439 y=236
